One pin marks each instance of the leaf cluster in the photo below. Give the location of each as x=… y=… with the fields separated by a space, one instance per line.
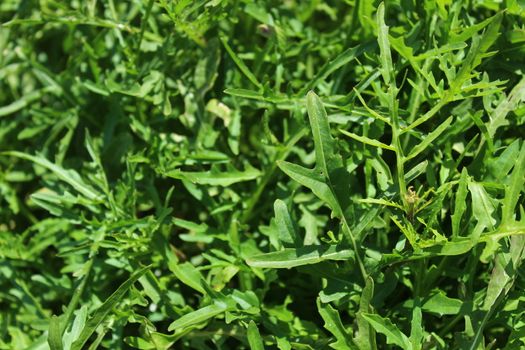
x=262 y=174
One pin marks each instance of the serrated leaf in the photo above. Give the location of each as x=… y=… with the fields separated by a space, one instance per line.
x=504 y=271
x=477 y=52
x=313 y=180
x=332 y=322
x=329 y=179
x=455 y=247
x=387 y=328
x=140 y=343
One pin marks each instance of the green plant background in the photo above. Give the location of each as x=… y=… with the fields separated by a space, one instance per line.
x=262 y=174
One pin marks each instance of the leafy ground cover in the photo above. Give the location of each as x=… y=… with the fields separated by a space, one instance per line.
x=262 y=174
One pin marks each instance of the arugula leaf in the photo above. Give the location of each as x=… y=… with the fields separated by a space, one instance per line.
x=293 y=257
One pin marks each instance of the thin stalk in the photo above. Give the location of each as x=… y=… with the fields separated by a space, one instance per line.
x=143 y=24
x=419 y=278
x=355 y=246
x=389 y=78
x=77 y=294
x=396 y=132
x=450 y=324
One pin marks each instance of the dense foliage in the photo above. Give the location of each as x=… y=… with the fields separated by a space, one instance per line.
x=271 y=174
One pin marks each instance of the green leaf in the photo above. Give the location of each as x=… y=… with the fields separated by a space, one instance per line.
x=416 y=328
x=198 y=316
x=139 y=343
x=460 y=203
x=54 y=338
x=94 y=87
x=245 y=93
x=482 y=205
x=240 y=63
x=478 y=51
x=188 y=274
x=440 y=304
x=498 y=280
x=215 y=178
x=329 y=180
x=332 y=322
x=455 y=247
x=476 y=117
x=386 y=327
x=501 y=166
x=290 y=257
x=367 y=141
x=254 y=337
x=76 y=328
x=366 y=337
x=415 y=171
x=469 y=31
x=381 y=201
x=313 y=180
x=429 y=139
x=71 y=177
x=103 y=310
x=509 y=104
x=325 y=150
x=24 y=101
x=504 y=271
x=287 y=232
x=501 y=280
x=387 y=68
x=514 y=188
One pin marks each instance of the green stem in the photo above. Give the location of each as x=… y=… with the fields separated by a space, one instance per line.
x=396 y=132
x=419 y=278
x=76 y=297
x=143 y=24
x=357 y=251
